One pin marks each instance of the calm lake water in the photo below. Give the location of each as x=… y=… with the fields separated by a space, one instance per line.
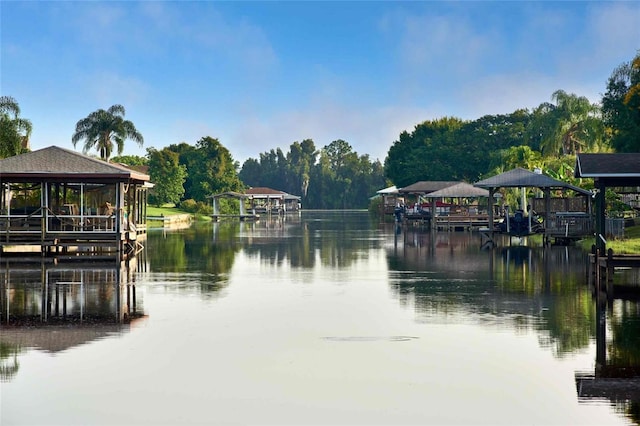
x=324 y=318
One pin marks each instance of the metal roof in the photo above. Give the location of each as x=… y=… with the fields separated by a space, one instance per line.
x=265 y=192
x=462 y=190
x=520 y=178
x=59 y=163
x=426 y=187
x=391 y=190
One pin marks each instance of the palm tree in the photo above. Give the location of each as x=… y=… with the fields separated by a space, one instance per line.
x=572 y=125
x=101 y=129
x=14 y=130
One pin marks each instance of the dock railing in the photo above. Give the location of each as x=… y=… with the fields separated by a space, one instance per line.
x=569 y=224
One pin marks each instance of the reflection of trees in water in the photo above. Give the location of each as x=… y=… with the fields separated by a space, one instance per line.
x=336 y=239
x=624 y=347
x=193 y=249
x=447 y=276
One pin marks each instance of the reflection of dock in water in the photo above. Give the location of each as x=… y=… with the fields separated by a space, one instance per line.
x=54 y=306
x=65 y=300
x=616 y=376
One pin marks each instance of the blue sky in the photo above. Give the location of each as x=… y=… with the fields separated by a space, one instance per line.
x=261 y=75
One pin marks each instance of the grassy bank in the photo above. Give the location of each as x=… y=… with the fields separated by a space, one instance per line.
x=153 y=211
x=629 y=245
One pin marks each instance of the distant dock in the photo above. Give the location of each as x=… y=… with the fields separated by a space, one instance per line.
x=243 y=217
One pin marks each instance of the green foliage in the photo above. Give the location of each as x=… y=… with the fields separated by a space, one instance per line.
x=130 y=160
x=571 y=125
x=102 y=129
x=189 y=205
x=621 y=106
x=168 y=176
x=615 y=207
x=452 y=149
x=210 y=167
x=14 y=130
x=338 y=179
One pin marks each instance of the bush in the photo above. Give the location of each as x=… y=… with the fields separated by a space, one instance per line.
x=203 y=208
x=189 y=205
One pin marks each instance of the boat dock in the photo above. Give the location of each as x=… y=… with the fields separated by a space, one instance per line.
x=602 y=270
x=245 y=217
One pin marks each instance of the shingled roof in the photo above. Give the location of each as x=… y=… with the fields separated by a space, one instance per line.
x=521 y=178
x=59 y=163
x=608 y=165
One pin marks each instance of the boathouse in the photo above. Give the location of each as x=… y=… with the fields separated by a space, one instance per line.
x=563 y=217
x=268 y=200
x=459 y=215
x=620 y=171
x=62 y=201
x=256 y=201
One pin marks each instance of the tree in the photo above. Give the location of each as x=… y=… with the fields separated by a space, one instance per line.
x=102 y=129
x=621 y=106
x=14 y=130
x=570 y=126
x=167 y=174
x=212 y=170
x=131 y=160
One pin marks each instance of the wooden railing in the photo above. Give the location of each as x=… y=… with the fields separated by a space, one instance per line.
x=569 y=224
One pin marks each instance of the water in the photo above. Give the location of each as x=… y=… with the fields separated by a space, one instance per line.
x=324 y=318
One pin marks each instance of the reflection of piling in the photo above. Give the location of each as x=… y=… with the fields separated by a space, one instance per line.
x=602 y=269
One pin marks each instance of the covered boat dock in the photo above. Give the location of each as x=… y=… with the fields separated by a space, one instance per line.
x=564 y=218
x=62 y=201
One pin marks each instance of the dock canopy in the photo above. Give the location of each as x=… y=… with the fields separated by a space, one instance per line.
x=607 y=171
x=391 y=190
x=460 y=190
x=612 y=170
x=556 y=219
x=426 y=186
x=521 y=178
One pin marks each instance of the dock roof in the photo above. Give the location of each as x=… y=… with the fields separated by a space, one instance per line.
x=521 y=178
x=460 y=190
x=427 y=186
x=615 y=169
x=60 y=163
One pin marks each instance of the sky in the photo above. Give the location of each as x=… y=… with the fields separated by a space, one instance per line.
x=262 y=75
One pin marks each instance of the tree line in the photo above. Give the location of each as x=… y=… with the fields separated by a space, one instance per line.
x=336 y=177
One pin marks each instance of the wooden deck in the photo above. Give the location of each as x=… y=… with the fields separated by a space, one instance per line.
x=602 y=270
x=462 y=222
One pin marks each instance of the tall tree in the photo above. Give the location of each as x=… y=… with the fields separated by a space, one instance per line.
x=571 y=125
x=423 y=154
x=212 y=170
x=621 y=106
x=168 y=175
x=103 y=128
x=14 y=130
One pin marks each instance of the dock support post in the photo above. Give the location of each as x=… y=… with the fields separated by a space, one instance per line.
x=610 y=272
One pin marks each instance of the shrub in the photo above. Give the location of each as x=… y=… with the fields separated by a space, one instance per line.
x=189 y=205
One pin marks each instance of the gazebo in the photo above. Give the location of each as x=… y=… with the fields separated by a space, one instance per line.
x=60 y=199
